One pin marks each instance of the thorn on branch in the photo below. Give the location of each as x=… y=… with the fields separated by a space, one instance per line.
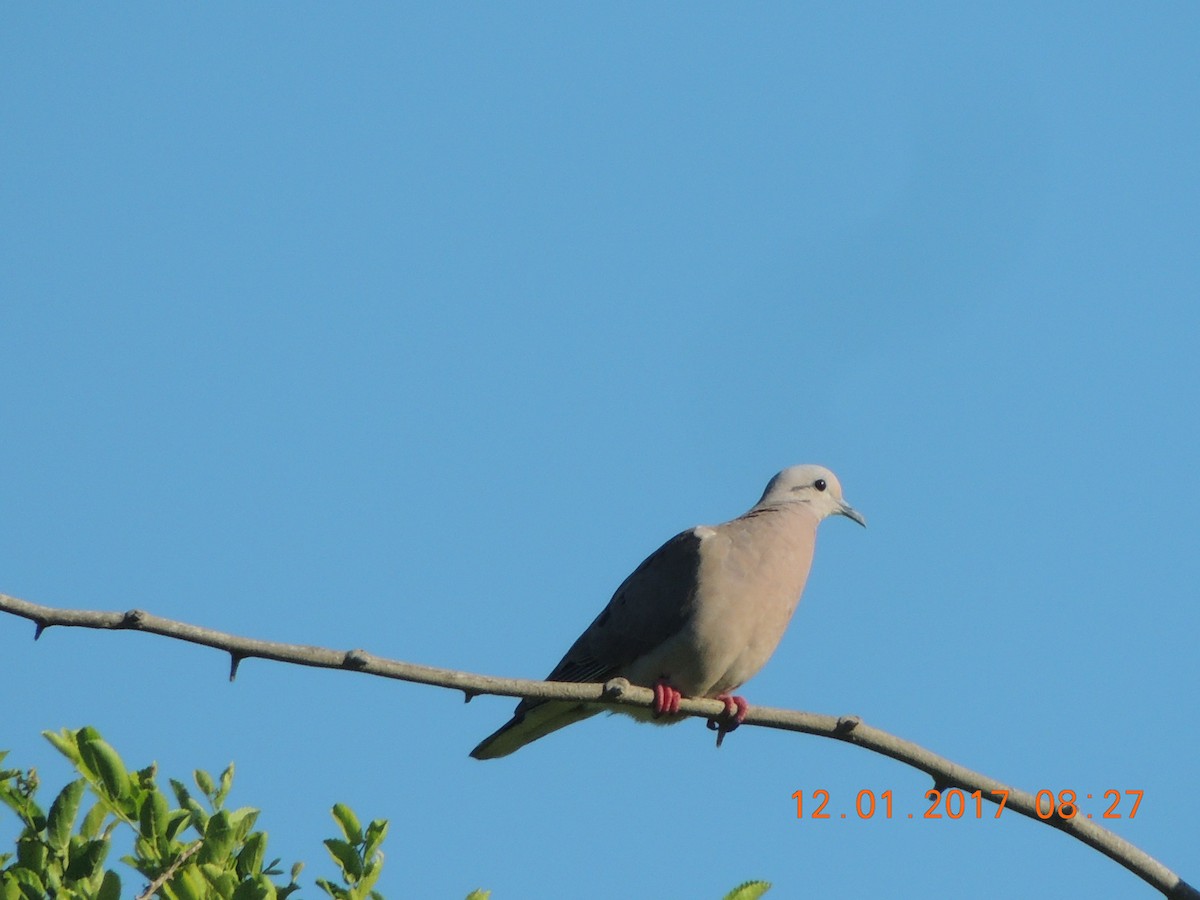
x=40 y=626
x=728 y=722
x=357 y=659
x=616 y=688
x=846 y=724
x=714 y=725
x=235 y=660
x=469 y=695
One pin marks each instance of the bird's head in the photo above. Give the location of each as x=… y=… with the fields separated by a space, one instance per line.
x=813 y=485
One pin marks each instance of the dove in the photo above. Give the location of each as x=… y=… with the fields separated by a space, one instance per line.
x=699 y=617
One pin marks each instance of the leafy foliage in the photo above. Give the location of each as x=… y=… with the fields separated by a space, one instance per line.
x=357 y=856
x=750 y=890
x=183 y=849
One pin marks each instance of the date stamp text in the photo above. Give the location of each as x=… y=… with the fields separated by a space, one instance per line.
x=955 y=803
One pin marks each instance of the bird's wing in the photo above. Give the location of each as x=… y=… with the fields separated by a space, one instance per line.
x=651 y=606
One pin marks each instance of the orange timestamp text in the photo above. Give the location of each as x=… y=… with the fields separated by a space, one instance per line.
x=955 y=803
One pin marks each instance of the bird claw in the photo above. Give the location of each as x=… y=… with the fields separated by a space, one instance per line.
x=666 y=703
x=666 y=699
x=735 y=714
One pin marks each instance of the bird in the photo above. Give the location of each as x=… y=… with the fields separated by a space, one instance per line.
x=699 y=617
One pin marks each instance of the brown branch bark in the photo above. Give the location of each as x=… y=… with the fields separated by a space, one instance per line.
x=166 y=876
x=945 y=773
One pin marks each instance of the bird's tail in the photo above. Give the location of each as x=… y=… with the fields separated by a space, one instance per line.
x=530 y=724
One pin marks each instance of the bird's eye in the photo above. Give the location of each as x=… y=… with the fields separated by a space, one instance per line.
x=820 y=484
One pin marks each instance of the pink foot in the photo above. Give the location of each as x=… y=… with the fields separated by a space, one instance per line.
x=666 y=698
x=736 y=708
x=735 y=714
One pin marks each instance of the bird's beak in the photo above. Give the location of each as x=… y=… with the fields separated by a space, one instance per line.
x=851 y=513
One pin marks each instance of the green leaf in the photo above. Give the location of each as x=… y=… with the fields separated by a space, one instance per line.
x=189 y=883
x=199 y=816
x=64 y=742
x=349 y=823
x=182 y=794
x=61 y=820
x=152 y=817
x=12 y=798
x=17 y=792
x=219 y=879
x=177 y=820
x=188 y=802
x=93 y=821
x=343 y=854
x=479 y=895
x=225 y=785
x=145 y=853
x=242 y=820
x=331 y=889
x=750 y=890
x=110 y=887
x=371 y=874
x=53 y=876
x=205 y=783
x=256 y=889
x=218 y=839
x=33 y=816
x=144 y=778
x=103 y=762
x=250 y=859
x=28 y=883
x=32 y=854
x=376 y=832
x=87 y=860
x=297 y=868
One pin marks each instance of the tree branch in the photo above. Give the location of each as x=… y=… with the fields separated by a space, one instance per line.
x=166 y=876
x=619 y=692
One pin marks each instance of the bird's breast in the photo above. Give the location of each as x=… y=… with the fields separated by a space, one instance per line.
x=751 y=575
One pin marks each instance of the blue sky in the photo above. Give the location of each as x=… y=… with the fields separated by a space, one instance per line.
x=416 y=328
